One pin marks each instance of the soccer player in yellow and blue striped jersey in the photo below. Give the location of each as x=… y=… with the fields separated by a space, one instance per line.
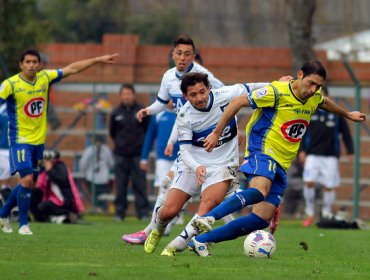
x=282 y=113
x=27 y=98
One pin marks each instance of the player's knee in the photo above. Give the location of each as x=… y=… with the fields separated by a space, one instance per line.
x=309 y=184
x=168 y=213
x=27 y=181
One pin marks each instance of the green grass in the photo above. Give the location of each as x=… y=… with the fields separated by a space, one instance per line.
x=95 y=251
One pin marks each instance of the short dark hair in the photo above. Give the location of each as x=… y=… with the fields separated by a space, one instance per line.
x=128 y=86
x=313 y=67
x=185 y=40
x=198 y=58
x=190 y=79
x=30 y=51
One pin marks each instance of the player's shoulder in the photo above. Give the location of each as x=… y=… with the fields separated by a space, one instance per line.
x=169 y=73
x=199 y=68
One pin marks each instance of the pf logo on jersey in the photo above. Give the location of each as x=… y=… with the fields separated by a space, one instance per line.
x=294 y=130
x=34 y=107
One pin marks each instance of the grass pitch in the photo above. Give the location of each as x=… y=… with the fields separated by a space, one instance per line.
x=95 y=251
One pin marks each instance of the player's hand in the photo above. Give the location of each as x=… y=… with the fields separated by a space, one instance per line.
x=143 y=165
x=109 y=58
x=201 y=173
x=168 y=150
x=142 y=114
x=285 y=78
x=210 y=142
x=302 y=157
x=356 y=116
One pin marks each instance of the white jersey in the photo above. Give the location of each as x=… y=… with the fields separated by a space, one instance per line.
x=195 y=125
x=171 y=81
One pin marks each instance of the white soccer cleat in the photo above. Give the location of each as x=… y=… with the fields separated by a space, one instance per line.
x=5 y=225
x=25 y=230
x=203 y=224
x=201 y=249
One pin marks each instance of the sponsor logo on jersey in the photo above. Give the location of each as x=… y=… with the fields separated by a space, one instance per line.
x=261 y=93
x=35 y=107
x=294 y=130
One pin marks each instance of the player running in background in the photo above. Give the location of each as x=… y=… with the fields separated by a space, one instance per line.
x=26 y=95
x=183 y=55
x=282 y=113
x=320 y=152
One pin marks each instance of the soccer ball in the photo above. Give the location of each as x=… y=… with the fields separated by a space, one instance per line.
x=260 y=244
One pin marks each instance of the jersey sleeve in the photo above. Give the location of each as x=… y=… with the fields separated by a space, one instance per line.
x=5 y=91
x=163 y=96
x=54 y=76
x=263 y=97
x=184 y=131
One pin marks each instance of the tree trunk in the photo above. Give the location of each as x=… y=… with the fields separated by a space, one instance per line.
x=299 y=14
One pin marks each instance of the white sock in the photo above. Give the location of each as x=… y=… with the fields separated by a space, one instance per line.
x=181 y=241
x=328 y=200
x=228 y=218
x=309 y=197
x=158 y=204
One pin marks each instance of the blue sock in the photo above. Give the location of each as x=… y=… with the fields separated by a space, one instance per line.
x=236 y=202
x=10 y=203
x=239 y=227
x=24 y=201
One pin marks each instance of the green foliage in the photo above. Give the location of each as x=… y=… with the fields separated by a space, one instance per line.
x=21 y=26
x=159 y=26
x=84 y=21
x=95 y=251
x=87 y=21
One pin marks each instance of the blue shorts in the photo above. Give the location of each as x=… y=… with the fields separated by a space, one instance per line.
x=25 y=158
x=263 y=165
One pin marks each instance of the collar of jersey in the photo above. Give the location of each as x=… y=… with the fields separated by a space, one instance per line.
x=210 y=103
x=178 y=76
x=296 y=97
x=32 y=84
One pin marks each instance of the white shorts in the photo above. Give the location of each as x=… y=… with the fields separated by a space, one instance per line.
x=186 y=179
x=162 y=166
x=322 y=169
x=4 y=165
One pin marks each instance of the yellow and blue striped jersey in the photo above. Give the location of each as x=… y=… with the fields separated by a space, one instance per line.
x=27 y=105
x=279 y=121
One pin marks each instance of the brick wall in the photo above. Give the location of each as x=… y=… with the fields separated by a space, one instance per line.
x=145 y=64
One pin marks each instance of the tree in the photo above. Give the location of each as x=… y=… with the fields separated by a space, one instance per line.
x=21 y=26
x=299 y=21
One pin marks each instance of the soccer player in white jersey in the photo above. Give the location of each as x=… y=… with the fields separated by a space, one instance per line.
x=213 y=173
x=183 y=55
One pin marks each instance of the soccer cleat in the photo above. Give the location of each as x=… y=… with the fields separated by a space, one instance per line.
x=274 y=221
x=169 y=251
x=5 y=225
x=201 y=249
x=203 y=224
x=25 y=230
x=135 y=238
x=308 y=221
x=152 y=241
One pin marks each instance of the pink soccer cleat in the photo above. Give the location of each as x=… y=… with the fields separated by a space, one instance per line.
x=135 y=238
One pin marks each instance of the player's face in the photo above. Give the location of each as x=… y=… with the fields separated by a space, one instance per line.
x=183 y=56
x=127 y=96
x=309 y=85
x=198 y=96
x=30 y=66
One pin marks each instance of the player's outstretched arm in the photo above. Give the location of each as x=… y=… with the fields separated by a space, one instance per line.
x=331 y=106
x=142 y=114
x=231 y=110
x=79 y=66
